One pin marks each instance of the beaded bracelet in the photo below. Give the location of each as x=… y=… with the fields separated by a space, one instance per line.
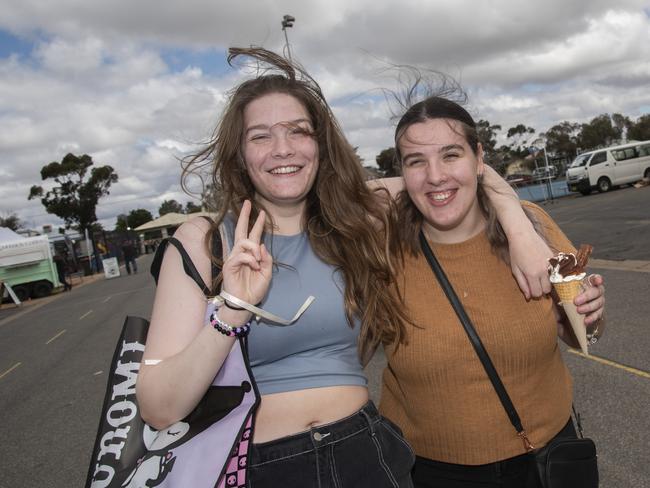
x=229 y=330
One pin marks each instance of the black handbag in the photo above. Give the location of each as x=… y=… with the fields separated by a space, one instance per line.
x=563 y=462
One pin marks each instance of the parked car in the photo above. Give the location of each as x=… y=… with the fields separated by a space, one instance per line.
x=544 y=172
x=612 y=166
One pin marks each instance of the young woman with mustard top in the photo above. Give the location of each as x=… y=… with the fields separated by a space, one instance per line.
x=435 y=387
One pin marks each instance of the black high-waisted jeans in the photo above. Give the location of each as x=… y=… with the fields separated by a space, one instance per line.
x=517 y=472
x=362 y=450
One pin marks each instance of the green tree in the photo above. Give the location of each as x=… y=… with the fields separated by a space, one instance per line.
x=388 y=164
x=621 y=122
x=11 y=221
x=170 y=206
x=562 y=139
x=121 y=225
x=519 y=136
x=135 y=218
x=191 y=207
x=487 y=136
x=78 y=189
x=600 y=131
x=640 y=130
x=138 y=217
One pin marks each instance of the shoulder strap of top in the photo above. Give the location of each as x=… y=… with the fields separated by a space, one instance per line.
x=217 y=252
x=188 y=265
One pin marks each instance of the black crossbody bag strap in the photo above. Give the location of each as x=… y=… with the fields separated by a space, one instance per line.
x=476 y=342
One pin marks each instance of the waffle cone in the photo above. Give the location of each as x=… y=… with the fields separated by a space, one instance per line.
x=568 y=290
x=577 y=322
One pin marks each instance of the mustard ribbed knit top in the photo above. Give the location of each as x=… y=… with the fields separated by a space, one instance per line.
x=436 y=389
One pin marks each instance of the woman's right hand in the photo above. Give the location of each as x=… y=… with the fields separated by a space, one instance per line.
x=248 y=268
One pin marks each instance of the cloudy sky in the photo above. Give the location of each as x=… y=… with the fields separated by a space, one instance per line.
x=136 y=84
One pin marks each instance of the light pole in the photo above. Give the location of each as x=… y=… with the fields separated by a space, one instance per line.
x=287 y=21
x=546 y=177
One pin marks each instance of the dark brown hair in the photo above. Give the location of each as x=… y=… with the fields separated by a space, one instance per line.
x=410 y=218
x=349 y=226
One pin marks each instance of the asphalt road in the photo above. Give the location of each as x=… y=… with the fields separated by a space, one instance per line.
x=616 y=223
x=54 y=354
x=53 y=360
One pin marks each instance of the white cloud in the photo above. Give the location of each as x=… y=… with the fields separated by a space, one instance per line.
x=71 y=58
x=101 y=80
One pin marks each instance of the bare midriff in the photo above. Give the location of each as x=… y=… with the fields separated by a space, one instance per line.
x=291 y=412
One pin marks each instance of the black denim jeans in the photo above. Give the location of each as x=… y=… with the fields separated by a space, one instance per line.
x=517 y=472
x=362 y=450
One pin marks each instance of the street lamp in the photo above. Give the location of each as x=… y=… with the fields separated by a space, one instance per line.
x=287 y=21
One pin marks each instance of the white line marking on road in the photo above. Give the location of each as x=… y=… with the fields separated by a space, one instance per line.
x=86 y=314
x=44 y=301
x=59 y=334
x=9 y=370
x=97 y=373
x=107 y=298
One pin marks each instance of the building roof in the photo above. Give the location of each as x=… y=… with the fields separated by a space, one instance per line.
x=171 y=219
x=7 y=234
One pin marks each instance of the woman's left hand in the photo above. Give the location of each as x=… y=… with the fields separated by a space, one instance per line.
x=591 y=302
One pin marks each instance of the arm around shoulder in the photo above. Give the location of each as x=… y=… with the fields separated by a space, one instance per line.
x=528 y=250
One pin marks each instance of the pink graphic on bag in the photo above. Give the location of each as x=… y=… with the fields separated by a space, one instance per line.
x=235 y=475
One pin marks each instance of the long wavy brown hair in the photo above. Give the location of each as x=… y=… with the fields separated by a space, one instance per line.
x=348 y=225
x=410 y=218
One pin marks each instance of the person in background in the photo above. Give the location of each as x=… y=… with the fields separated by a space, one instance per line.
x=129 y=253
x=103 y=250
x=435 y=388
x=61 y=268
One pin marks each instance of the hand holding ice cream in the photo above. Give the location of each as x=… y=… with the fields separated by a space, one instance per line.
x=567 y=272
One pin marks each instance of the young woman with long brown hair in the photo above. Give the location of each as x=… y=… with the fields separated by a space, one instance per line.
x=297 y=219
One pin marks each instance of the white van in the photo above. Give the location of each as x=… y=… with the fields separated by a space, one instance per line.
x=612 y=166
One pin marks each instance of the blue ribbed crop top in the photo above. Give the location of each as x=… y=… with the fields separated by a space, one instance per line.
x=318 y=350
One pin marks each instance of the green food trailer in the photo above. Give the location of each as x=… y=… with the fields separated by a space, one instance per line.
x=26 y=264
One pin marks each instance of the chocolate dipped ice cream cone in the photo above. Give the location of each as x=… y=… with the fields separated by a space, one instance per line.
x=567 y=271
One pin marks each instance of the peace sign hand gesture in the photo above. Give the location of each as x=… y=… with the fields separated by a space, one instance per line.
x=247 y=269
